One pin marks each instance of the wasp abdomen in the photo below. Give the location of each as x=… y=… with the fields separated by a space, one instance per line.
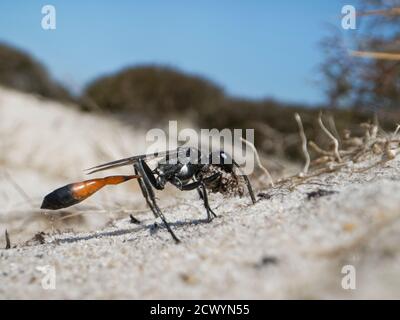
x=61 y=198
x=76 y=192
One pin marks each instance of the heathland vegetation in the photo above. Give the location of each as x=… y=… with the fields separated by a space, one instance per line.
x=358 y=90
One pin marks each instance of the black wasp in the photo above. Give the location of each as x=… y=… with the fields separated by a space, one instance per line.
x=186 y=168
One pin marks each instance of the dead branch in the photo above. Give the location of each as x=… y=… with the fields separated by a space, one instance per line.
x=376 y=55
x=271 y=181
x=330 y=135
x=319 y=150
x=303 y=143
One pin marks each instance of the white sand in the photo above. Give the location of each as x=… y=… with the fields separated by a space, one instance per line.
x=304 y=243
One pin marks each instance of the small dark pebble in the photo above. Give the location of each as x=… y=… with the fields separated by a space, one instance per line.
x=267 y=260
x=134 y=220
x=154 y=228
x=39 y=237
x=264 y=195
x=319 y=193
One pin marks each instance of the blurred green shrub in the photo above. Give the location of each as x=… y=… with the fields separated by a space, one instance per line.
x=159 y=94
x=21 y=72
x=155 y=93
x=274 y=123
x=361 y=82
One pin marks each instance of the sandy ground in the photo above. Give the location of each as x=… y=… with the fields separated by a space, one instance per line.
x=290 y=244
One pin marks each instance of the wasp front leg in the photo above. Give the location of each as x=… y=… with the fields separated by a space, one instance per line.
x=148 y=194
x=201 y=188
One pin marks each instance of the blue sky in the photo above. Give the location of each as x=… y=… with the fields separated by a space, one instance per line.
x=254 y=49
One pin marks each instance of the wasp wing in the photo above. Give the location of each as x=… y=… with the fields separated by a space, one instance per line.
x=131 y=160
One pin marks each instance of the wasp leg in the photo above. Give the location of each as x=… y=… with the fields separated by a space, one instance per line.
x=211 y=180
x=206 y=203
x=208 y=182
x=247 y=181
x=145 y=193
x=250 y=188
x=200 y=193
x=149 y=195
x=201 y=189
x=150 y=175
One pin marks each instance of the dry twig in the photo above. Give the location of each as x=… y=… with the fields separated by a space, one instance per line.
x=376 y=55
x=258 y=160
x=330 y=135
x=8 y=242
x=303 y=143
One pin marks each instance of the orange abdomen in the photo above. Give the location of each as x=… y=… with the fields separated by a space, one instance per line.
x=76 y=192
